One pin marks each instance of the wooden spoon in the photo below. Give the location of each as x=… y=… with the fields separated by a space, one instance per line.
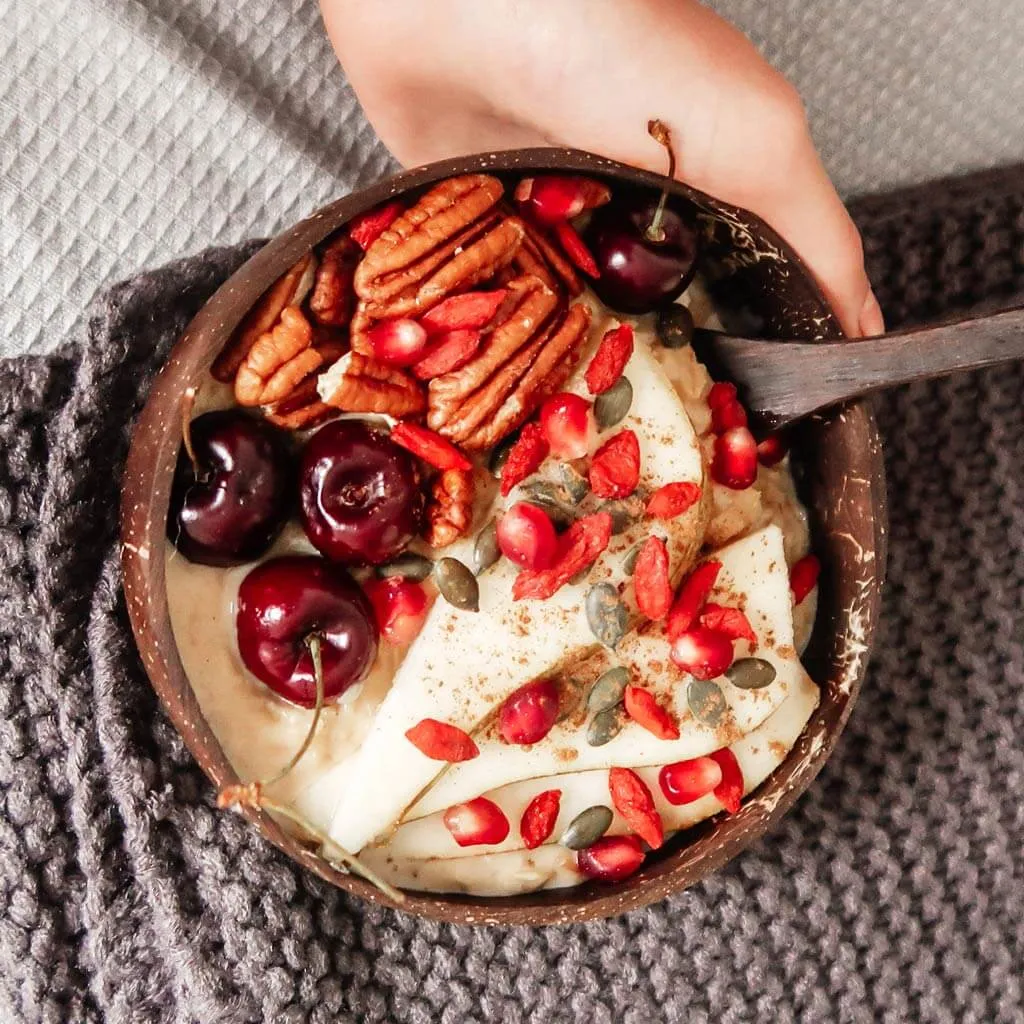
x=780 y=382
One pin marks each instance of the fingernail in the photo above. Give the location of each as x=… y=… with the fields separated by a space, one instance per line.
x=871 y=321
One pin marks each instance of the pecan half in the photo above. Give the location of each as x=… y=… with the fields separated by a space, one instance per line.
x=333 y=299
x=288 y=290
x=303 y=408
x=278 y=361
x=450 y=507
x=356 y=383
x=539 y=255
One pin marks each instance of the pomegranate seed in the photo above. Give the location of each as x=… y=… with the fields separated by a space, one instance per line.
x=578 y=549
x=527 y=715
x=615 y=468
x=611 y=858
x=686 y=781
x=730 y=621
x=447 y=352
x=400 y=606
x=397 y=342
x=468 y=311
x=690 y=598
x=430 y=447
x=479 y=822
x=369 y=226
x=527 y=536
x=550 y=198
x=642 y=706
x=803 y=577
x=730 y=790
x=671 y=500
x=569 y=239
x=721 y=393
x=441 y=741
x=704 y=653
x=651 y=580
x=525 y=457
x=538 y=820
x=734 y=463
x=772 y=450
x=566 y=422
x=610 y=359
x=728 y=415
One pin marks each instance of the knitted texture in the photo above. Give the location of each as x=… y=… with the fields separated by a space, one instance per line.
x=892 y=892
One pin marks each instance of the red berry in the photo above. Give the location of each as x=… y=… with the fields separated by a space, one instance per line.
x=397 y=342
x=671 y=500
x=447 y=352
x=772 y=450
x=479 y=822
x=365 y=229
x=703 y=653
x=734 y=463
x=730 y=790
x=441 y=741
x=721 y=393
x=686 y=781
x=430 y=447
x=578 y=549
x=463 y=312
x=642 y=706
x=803 y=577
x=400 y=606
x=527 y=715
x=690 y=598
x=728 y=415
x=575 y=248
x=633 y=800
x=615 y=468
x=527 y=536
x=550 y=198
x=525 y=457
x=651 y=580
x=565 y=420
x=610 y=359
x=730 y=621
x=538 y=820
x=611 y=858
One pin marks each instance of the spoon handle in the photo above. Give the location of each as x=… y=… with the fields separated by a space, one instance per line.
x=782 y=382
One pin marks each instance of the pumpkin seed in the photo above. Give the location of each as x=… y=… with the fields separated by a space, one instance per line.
x=675 y=326
x=706 y=701
x=457 y=584
x=611 y=406
x=587 y=827
x=751 y=673
x=499 y=455
x=558 y=514
x=604 y=726
x=410 y=565
x=629 y=562
x=574 y=484
x=622 y=515
x=606 y=613
x=485 y=550
x=608 y=690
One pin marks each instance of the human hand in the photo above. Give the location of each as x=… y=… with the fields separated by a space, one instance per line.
x=451 y=77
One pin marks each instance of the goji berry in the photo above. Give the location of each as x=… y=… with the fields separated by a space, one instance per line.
x=447 y=352
x=690 y=598
x=442 y=741
x=633 y=800
x=365 y=229
x=610 y=359
x=803 y=577
x=569 y=239
x=463 y=312
x=538 y=821
x=730 y=621
x=578 y=549
x=671 y=500
x=651 y=581
x=615 y=468
x=525 y=457
x=430 y=447
x=642 y=706
x=730 y=790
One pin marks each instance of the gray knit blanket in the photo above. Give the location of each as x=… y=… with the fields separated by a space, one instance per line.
x=894 y=891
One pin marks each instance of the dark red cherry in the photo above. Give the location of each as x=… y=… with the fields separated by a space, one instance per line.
x=284 y=601
x=361 y=495
x=232 y=508
x=638 y=273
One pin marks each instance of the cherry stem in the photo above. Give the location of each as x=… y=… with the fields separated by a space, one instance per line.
x=313 y=643
x=658 y=131
x=188 y=401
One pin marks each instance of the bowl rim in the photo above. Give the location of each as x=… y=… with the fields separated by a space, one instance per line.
x=145 y=494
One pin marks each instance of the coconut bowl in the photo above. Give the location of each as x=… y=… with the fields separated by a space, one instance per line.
x=754 y=275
